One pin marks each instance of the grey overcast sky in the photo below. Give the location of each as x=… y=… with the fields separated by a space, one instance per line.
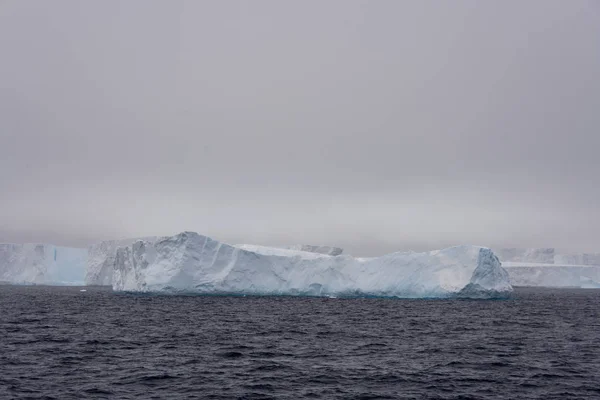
x=374 y=125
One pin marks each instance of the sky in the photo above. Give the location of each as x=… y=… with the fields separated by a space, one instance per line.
x=376 y=126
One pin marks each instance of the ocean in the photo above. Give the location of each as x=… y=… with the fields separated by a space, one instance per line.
x=62 y=343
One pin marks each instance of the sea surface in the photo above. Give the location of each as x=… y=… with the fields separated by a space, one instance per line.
x=61 y=343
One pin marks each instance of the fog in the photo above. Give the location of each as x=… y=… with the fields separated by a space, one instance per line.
x=374 y=126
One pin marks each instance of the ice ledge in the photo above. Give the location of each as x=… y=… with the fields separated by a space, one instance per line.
x=328 y=250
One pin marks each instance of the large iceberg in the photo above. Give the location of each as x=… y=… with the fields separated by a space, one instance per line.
x=192 y=263
x=101 y=259
x=42 y=264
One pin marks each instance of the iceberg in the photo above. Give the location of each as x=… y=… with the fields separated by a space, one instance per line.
x=42 y=264
x=547 y=255
x=531 y=255
x=546 y=267
x=553 y=275
x=101 y=259
x=192 y=263
x=578 y=259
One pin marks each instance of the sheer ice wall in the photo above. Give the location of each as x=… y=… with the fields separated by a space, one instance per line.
x=101 y=260
x=42 y=264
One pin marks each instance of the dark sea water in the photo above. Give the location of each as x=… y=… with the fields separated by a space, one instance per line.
x=60 y=343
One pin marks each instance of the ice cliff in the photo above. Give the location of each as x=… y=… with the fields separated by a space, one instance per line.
x=42 y=264
x=192 y=263
x=101 y=259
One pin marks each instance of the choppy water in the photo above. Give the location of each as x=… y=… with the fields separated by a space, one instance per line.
x=65 y=344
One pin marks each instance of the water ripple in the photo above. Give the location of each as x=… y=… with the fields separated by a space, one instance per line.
x=59 y=343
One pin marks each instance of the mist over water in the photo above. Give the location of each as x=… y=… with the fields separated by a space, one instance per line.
x=60 y=343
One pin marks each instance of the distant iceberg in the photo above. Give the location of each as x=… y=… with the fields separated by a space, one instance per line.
x=530 y=255
x=192 y=263
x=578 y=259
x=553 y=275
x=42 y=264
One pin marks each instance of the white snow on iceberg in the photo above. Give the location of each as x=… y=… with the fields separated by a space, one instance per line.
x=101 y=259
x=42 y=264
x=192 y=263
x=329 y=250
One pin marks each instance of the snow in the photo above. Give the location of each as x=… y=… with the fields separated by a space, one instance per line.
x=192 y=263
x=42 y=264
x=306 y=251
x=101 y=258
x=277 y=251
x=329 y=250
